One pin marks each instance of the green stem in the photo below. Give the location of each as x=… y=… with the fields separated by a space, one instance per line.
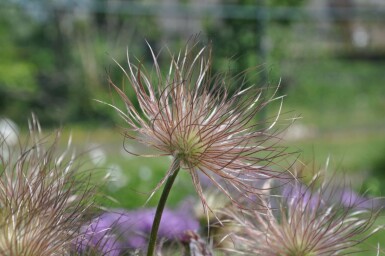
x=162 y=202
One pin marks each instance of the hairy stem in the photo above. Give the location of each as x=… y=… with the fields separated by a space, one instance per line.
x=162 y=202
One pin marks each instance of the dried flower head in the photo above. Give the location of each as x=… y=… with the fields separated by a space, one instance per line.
x=306 y=223
x=189 y=114
x=42 y=199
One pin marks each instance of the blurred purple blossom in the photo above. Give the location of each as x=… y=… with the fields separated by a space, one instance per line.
x=119 y=230
x=301 y=194
x=344 y=196
x=98 y=236
x=350 y=198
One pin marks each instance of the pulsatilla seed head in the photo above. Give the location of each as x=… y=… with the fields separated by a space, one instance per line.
x=303 y=221
x=43 y=199
x=188 y=113
x=189 y=149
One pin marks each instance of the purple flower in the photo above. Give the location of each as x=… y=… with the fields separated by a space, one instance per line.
x=119 y=230
x=301 y=194
x=346 y=197
x=98 y=237
x=350 y=198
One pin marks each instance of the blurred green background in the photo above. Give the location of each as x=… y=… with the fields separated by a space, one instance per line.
x=328 y=56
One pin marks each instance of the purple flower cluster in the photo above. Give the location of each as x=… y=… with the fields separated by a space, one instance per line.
x=344 y=196
x=114 y=232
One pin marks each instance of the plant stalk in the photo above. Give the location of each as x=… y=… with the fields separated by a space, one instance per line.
x=175 y=167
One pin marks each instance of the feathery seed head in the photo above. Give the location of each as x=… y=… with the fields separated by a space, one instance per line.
x=188 y=114
x=306 y=223
x=41 y=201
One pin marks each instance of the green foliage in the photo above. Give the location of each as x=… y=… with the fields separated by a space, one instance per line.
x=285 y=2
x=16 y=72
x=240 y=41
x=53 y=61
x=338 y=94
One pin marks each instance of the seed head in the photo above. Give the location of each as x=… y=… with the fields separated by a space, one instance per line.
x=189 y=114
x=306 y=223
x=42 y=199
